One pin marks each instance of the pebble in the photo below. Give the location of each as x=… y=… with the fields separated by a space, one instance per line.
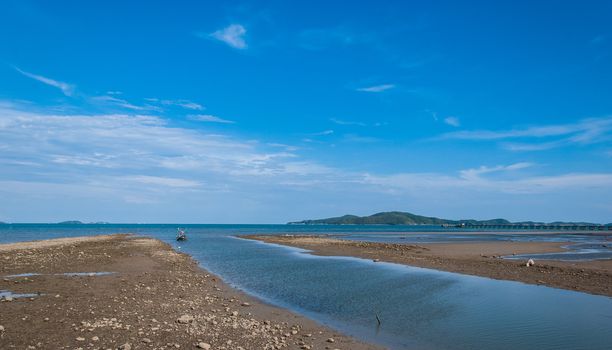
x=245 y=304
x=185 y=319
x=80 y=339
x=1 y=328
x=203 y=345
x=146 y=340
x=95 y=338
x=125 y=346
x=330 y=340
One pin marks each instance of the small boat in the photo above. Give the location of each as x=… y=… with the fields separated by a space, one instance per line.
x=181 y=235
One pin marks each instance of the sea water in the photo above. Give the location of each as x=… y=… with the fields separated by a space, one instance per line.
x=418 y=308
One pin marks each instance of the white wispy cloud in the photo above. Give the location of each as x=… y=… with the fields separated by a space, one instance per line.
x=542 y=137
x=377 y=88
x=346 y=122
x=233 y=35
x=210 y=118
x=322 y=133
x=452 y=121
x=187 y=104
x=163 y=181
x=119 y=102
x=67 y=89
x=130 y=159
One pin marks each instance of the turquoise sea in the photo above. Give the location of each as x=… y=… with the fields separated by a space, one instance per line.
x=419 y=308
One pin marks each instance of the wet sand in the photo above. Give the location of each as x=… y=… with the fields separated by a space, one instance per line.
x=156 y=298
x=472 y=258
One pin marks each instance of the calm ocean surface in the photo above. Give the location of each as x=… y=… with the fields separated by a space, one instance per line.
x=419 y=308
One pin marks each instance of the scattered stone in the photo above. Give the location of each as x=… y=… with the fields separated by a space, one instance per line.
x=203 y=345
x=235 y=313
x=95 y=338
x=530 y=262
x=375 y=260
x=245 y=304
x=146 y=340
x=80 y=339
x=1 y=328
x=125 y=346
x=331 y=340
x=185 y=319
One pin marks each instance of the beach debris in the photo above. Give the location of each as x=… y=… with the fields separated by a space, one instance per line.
x=530 y=262
x=185 y=319
x=377 y=319
x=202 y=345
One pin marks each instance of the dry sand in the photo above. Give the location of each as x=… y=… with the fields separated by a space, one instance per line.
x=472 y=258
x=156 y=299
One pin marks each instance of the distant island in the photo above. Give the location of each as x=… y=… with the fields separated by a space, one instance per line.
x=70 y=222
x=403 y=218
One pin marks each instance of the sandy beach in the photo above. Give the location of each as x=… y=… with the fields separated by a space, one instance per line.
x=152 y=298
x=472 y=258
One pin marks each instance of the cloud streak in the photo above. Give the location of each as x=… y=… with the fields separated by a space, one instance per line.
x=210 y=118
x=542 y=137
x=377 y=88
x=67 y=89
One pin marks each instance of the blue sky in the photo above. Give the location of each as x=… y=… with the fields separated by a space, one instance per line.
x=266 y=112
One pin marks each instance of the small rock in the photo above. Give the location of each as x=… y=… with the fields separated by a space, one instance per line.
x=146 y=340
x=375 y=260
x=203 y=345
x=1 y=328
x=331 y=340
x=8 y=298
x=185 y=319
x=125 y=346
x=530 y=262
x=235 y=313
x=46 y=319
x=245 y=304
x=95 y=338
x=80 y=339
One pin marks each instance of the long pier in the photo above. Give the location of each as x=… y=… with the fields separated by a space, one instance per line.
x=537 y=227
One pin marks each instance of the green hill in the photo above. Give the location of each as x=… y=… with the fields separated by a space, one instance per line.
x=403 y=218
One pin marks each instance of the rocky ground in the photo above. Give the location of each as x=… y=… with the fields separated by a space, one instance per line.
x=472 y=258
x=155 y=298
